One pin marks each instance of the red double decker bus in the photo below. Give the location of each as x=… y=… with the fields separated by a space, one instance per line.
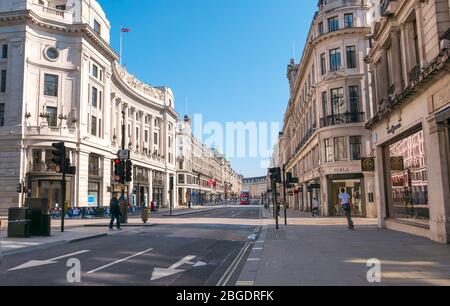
x=245 y=198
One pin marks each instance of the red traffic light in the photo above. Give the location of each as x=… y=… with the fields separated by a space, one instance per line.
x=117 y=161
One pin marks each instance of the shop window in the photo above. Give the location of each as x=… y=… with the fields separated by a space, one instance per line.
x=408 y=180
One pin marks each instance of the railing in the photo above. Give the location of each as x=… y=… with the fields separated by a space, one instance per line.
x=53 y=11
x=342 y=119
x=414 y=73
x=42 y=167
x=46 y=130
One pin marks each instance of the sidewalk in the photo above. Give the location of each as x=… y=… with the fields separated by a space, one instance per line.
x=321 y=251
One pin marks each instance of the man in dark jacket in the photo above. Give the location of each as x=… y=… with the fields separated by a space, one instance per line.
x=114 y=207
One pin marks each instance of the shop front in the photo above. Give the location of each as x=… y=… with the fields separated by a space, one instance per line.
x=353 y=184
x=50 y=187
x=406 y=178
x=141 y=189
x=158 y=188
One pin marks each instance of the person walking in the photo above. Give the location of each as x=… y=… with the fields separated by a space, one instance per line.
x=344 y=199
x=315 y=207
x=115 y=211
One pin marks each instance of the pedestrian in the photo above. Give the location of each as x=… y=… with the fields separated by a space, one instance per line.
x=115 y=211
x=344 y=199
x=315 y=207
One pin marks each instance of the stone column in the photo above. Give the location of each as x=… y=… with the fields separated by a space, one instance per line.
x=133 y=128
x=142 y=133
x=420 y=27
x=384 y=76
x=404 y=46
x=125 y=109
x=436 y=151
x=396 y=61
x=150 y=184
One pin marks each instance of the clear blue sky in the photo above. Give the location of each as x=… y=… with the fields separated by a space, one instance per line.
x=228 y=57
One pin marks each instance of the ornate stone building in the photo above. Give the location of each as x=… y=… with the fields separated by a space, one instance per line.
x=204 y=175
x=324 y=137
x=60 y=81
x=409 y=67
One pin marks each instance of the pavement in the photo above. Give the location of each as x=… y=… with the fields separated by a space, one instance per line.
x=322 y=251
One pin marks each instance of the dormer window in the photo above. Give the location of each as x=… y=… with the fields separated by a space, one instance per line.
x=97 y=27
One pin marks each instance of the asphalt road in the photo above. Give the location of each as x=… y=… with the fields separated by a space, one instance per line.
x=168 y=255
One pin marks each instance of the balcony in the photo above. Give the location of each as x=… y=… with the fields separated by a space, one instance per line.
x=342 y=119
x=414 y=73
x=50 y=131
x=52 y=13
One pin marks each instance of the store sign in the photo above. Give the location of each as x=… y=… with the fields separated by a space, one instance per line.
x=397 y=163
x=394 y=129
x=368 y=164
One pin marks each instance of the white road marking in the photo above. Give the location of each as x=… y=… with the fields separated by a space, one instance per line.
x=232 y=268
x=37 y=263
x=118 y=261
x=159 y=273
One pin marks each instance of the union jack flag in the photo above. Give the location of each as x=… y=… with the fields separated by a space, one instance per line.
x=125 y=30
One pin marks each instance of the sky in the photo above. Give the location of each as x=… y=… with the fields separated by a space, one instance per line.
x=224 y=60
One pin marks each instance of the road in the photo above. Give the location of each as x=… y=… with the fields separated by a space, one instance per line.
x=179 y=254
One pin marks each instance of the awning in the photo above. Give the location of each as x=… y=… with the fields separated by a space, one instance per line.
x=443 y=116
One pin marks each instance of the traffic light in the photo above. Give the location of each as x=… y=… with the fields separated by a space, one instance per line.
x=59 y=156
x=19 y=188
x=129 y=172
x=171 y=183
x=119 y=173
x=275 y=174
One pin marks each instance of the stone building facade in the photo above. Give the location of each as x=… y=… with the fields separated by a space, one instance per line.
x=324 y=137
x=60 y=81
x=409 y=68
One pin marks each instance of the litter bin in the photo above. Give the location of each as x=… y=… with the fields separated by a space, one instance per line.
x=19 y=229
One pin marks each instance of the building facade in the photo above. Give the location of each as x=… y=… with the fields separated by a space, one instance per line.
x=410 y=82
x=324 y=137
x=257 y=186
x=204 y=175
x=60 y=81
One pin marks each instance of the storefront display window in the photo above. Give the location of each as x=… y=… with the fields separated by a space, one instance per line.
x=408 y=178
x=353 y=188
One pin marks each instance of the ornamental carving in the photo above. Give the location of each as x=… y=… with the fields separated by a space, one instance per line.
x=139 y=86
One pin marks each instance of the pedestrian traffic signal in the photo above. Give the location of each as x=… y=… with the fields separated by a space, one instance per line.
x=171 y=183
x=275 y=174
x=59 y=156
x=129 y=171
x=119 y=173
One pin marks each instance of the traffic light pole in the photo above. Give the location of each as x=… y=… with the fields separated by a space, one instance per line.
x=63 y=187
x=275 y=203
x=284 y=192
x=123 y=148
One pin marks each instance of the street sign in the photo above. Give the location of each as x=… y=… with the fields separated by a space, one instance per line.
x=123 y=154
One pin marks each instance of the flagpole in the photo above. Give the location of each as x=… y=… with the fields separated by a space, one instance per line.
x=121 y=40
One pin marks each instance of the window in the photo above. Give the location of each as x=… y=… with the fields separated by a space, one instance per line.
x=340 y=149
x=52 y=53
x=333 y=24
x=2 y=114
x=51 y=85
x=335 y=60
x=100 y=128
x=323 y=64
x=320 y=28
x=180 y=178
x=94 y=125
x=60 y=7
x=94 y=165
x=94 y=98
x=355 y=147
x=146 y=136
x=97 y=27
x=338 y=102
x=351 y=57
x=348 y=20
x=52 y=113
x=324 y=104
x=328 y=150
x=155 y=138
x=3 y=81
x=353 y=92
x=95 y=71
x=137 y=135
x=4 y=51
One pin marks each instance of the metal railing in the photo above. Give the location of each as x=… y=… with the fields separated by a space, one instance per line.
x=342 y=119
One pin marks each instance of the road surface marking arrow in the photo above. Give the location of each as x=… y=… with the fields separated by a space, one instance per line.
x=118 y=261
x=37 y=263
x=159 y=273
